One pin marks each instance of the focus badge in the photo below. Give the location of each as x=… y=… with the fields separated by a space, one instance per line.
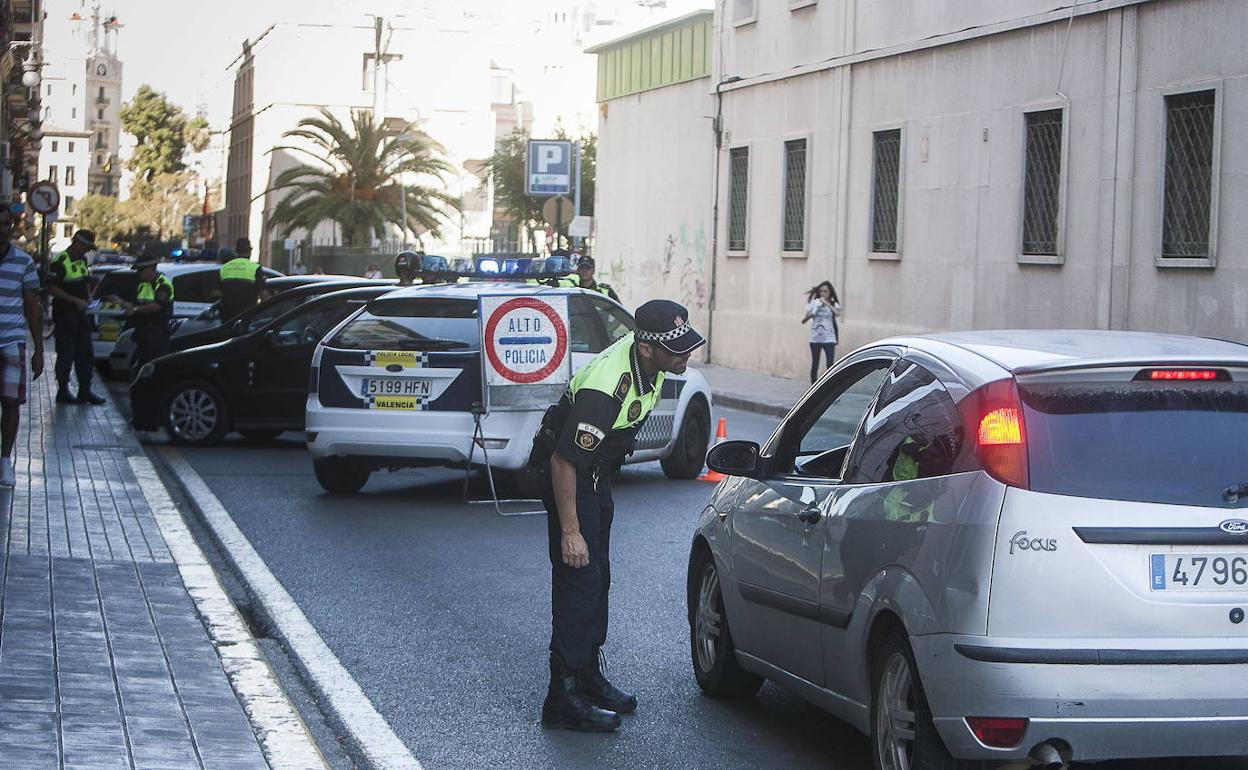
x=621 y=387
x=588 y=437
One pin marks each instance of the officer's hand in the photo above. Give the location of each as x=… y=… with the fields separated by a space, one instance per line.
x=36 y=364
x=575 y=552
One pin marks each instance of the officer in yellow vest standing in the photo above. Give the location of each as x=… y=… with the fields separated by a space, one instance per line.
x=583 y=441
x=71 y=294
x=585 y=278
x=242 y=281
x=149 y=314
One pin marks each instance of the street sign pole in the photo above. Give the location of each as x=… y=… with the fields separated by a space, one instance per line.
x=43 y=240
x=558 y=220
x=576 y=150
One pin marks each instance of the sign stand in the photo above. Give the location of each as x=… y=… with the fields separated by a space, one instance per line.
x=478 y=439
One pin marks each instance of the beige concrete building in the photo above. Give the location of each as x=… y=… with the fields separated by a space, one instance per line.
x=952 y=164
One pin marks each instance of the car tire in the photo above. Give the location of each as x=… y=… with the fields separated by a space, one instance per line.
x=259 y=435
x=898 y=701
x=689 y=452
x=715 y=663
x=340 y=475
x=196 y=414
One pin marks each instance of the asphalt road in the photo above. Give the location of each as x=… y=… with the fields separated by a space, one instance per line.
x=441 y=611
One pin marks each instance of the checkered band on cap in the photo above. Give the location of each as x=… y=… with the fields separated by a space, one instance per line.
x=666 y=336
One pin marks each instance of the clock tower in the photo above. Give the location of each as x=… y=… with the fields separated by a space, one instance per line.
x=103 y=105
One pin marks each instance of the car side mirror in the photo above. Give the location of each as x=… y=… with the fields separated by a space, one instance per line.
x=238 y=326
x=736 y=458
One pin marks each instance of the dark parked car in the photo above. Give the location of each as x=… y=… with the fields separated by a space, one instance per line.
x=255 y=383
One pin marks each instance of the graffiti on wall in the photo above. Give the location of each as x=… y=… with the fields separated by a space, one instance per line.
x=678 y=269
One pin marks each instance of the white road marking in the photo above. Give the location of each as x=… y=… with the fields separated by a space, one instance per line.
x=283 y=737
x=368 y=730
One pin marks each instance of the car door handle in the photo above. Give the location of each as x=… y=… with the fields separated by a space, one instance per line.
x=811 y=514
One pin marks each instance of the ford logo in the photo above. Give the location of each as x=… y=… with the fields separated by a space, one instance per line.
x=394 y=368
x=1234 y=526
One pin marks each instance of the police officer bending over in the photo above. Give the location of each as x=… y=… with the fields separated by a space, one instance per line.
x=583 y=441
x=149 y=314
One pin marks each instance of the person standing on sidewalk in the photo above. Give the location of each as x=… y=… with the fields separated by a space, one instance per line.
x=583 y=441
x=71 y=292
x=822 y=308
x=242 y=281
x=19 y=313
x=150 y=313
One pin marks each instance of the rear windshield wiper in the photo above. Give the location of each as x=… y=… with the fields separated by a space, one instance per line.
x=1232 y=493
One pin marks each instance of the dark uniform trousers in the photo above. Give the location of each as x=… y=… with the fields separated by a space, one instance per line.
x=151 y=341
x=578 y=596
x=72 y=333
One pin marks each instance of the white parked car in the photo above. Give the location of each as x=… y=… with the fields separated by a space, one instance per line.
x=349 y=440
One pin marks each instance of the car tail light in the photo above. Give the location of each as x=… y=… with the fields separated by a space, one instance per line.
x=998 y=732
x=993 y=415
x=1183 y=375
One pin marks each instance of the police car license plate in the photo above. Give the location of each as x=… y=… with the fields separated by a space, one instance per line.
x=109 y=331
x=1198 y=571
x=397 y=386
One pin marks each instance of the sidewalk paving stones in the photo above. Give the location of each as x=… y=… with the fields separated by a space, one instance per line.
x=104 y=659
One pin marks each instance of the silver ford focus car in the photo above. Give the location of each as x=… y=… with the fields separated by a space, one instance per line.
x=994 y=548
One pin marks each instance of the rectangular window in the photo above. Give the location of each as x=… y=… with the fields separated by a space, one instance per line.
x=1042 y=180
x=73 y=89
x=738 y=196
x=743 y=11
x=54 y=146
x=49 y=89
x=886 y=190
x=69 y=175
x=370 y=67
x=53 y=172
x=795 y=195
x=67 y=230
x=1187 y=218
x=71 y=146
x=73 y=113
x=100 y=113
x=69 y=204
x=101 y=96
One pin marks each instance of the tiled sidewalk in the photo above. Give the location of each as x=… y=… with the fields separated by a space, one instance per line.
x=104 y=661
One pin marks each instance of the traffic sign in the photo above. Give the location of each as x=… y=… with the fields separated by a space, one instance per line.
x=581 y=227
x=558 y=211
x=44 y=197
x=548 y=167
x=527 y=348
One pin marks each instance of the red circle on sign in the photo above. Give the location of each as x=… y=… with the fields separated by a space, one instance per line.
x=561 y=340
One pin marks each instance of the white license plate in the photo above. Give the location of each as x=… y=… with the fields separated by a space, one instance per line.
x=1199 y=571
x=397 y=386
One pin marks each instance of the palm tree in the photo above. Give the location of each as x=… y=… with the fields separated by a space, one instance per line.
x=357 y=181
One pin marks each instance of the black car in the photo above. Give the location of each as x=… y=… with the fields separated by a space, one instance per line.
x=255 y=383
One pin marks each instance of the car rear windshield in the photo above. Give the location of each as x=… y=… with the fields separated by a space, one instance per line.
x=1147 y=442
x=425 y=324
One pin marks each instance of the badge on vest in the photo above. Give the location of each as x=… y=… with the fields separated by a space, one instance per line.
x=588 y=437
x=634 y=411
x=621 y=387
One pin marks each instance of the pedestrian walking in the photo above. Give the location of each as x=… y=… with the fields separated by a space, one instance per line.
x=150 y=313
x=585 y=275
x=583 y=441
x=822 y=308
x=19 y=313
x=242 y=281
x=373 y=272
x=71 y=293
x=298 y=268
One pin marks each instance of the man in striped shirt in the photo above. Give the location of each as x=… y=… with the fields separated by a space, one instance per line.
x=19 y=311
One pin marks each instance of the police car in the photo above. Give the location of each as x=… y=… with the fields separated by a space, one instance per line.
x=428 y=339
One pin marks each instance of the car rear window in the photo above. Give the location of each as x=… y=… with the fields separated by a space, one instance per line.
x=412 y=324
x=123 y=283
x=1179 y=443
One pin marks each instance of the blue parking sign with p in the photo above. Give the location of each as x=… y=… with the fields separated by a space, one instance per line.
x=548 y=167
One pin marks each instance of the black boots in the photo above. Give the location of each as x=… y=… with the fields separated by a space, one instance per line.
x=63 y=396
x=85 y=396
x=568 y=709
x=593 y=684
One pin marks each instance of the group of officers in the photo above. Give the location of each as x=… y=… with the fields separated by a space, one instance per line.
x=583 y=440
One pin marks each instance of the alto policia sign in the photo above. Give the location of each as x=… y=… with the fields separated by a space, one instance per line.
x=525 y=345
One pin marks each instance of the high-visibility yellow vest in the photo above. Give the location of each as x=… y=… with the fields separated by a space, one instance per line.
x=607 y=373
x=149 y=289
x=239 y=269
x=75 y=269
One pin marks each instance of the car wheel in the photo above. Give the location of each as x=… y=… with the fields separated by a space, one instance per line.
x=259 y=435
x=689 y=452
x=196 y=414
x=715 y=664
x=340 y=475
x=903 y=736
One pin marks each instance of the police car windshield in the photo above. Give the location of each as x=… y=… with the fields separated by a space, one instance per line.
x=426 y=324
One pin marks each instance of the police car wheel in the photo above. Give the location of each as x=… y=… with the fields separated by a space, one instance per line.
x=340 y=475
x=689 y=452
x=196 y=414
x=715 y=664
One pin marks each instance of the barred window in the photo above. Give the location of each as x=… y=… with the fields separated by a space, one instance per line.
x=1042 y=182
x=738 y=196
x=795 y=195
x=885 y=194
x=1189 y=175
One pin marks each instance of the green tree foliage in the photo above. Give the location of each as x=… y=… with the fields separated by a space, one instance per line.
x=159 y=203
x=159 y=126
x=103 y=215
x=356 y=180
x=506 y=172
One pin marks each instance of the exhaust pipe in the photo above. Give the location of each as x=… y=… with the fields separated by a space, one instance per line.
x=1047 y=757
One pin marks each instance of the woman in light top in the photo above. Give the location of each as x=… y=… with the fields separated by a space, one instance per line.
x=822 y=309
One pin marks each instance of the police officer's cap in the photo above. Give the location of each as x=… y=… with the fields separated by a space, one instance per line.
x=86 y=238
x=666 y=323
x=145 y=261
x=585 y=261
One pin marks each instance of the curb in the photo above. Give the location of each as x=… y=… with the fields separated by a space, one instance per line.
x=283 y=737
x=351 y=712
x=751 y=405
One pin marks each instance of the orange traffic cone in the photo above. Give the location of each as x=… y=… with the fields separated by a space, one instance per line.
x=721 y=433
